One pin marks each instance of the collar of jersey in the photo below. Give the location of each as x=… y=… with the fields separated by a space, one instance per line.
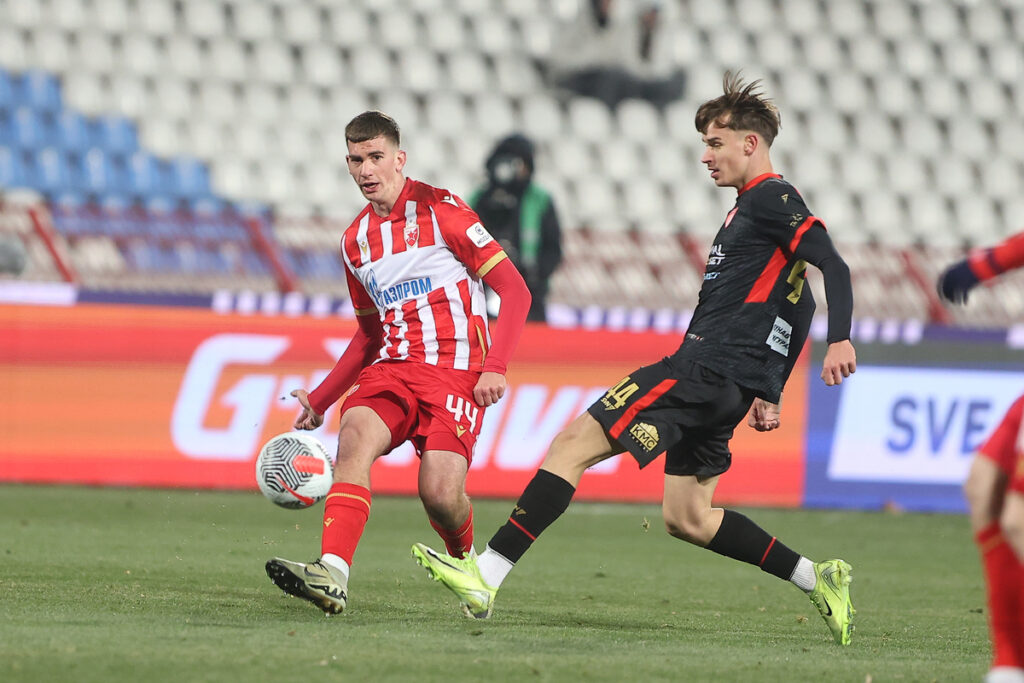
x=758 y=179
x=398 y=210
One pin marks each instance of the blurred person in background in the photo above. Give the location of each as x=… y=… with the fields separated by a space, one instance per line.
x=521 y=215
x=421 y=366
x=12 y=255
x=995 y=483
x=738 y=352
x=616 y=51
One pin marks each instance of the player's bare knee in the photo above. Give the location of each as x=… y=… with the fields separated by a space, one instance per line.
x=685 y=526
x=442 y=499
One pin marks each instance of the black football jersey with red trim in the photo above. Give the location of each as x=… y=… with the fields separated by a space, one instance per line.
x=754 y=309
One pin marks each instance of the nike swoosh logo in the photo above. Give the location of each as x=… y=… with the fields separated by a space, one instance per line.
x=303 y=499
x=828 y=606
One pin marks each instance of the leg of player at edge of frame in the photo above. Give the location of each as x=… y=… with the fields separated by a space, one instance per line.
x=688 y=516
x=996 y=513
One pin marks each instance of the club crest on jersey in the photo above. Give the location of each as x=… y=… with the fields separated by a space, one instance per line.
x=411 y=234
x=728 y=216
x=478 y=235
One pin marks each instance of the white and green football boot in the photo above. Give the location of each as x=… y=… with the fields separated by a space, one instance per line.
x=831 y=595
x=460 y=576
x=322 y=585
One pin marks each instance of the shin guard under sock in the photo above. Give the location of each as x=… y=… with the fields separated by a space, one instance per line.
x=543 y=501
x=345 y=513
x=741 y=539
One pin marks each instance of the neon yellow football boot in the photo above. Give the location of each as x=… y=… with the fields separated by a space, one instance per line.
x=831 y=595
x=460 y=576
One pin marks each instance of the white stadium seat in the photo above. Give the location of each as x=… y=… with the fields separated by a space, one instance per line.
x=916 y=56
x=253 y=21
x=184 y=57
x=494 y=34
x=638 y=119
x=301 y=23
x=371 y=68
x=94 y=51
x=323 y=65
x=939 y=21
x=399 y=31
x=153 y=17
x=204 y=18
x=228 y=60
x=261 y=103
x=446 y=113
x=542 y=117
x=849 y=91
x=847 y=18
x=589 y=119
x=420 y=70
x=401 y=105
x=51 y=50
x=467 y=73
x=494 y=115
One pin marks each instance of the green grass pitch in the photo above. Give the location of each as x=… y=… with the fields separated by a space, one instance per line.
x=150 y=585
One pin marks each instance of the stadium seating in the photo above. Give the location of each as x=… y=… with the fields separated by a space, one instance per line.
x=899 y=127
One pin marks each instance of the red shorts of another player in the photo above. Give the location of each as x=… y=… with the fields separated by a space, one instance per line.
x=1006 y=446
x=432 y=407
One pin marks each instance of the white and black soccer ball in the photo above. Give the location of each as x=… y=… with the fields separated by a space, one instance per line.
x=294 y=470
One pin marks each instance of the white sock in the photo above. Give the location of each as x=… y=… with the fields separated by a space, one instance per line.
x=803 y=575
x=493 y=567
x=335 y=562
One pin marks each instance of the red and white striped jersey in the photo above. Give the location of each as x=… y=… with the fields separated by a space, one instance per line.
x=419 y=269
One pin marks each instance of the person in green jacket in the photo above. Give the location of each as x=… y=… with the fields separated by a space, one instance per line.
x=521 y=216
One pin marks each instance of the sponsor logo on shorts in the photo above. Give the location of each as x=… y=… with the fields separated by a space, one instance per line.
x=645 y=434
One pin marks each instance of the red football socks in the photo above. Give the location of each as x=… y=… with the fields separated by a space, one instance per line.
x=345 y=513
x=458 y=541
x=1004 y=579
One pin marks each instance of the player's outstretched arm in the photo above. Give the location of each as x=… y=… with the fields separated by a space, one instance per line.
x=840 y=362
x=957 y=281
x=308 y=418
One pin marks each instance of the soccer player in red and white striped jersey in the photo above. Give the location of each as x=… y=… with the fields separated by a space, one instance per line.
x=995 y=483
x=422 y=366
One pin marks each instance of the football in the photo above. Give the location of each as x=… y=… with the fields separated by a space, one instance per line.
x=294 y=470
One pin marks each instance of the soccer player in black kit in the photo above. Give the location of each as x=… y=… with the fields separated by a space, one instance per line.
x=750 y=323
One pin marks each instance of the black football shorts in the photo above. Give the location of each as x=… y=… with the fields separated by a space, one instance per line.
x=675 y=407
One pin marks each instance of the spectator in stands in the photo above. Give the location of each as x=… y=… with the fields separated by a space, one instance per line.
x=12 y=255
x=995 y=484
x=419 y=368
x=521 y=216
x=614 y=52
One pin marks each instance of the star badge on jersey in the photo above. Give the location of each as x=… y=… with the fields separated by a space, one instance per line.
x=411 y=234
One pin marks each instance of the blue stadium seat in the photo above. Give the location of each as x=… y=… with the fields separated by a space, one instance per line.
x=39 y=90
x=189 y=177
x=145 y=175
x=118 y=134
x=13 y=172
x=6 y=132
x=75 y=133
x=102 y=174
x=55 y=172
x=7 y=102
x=31 y=130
